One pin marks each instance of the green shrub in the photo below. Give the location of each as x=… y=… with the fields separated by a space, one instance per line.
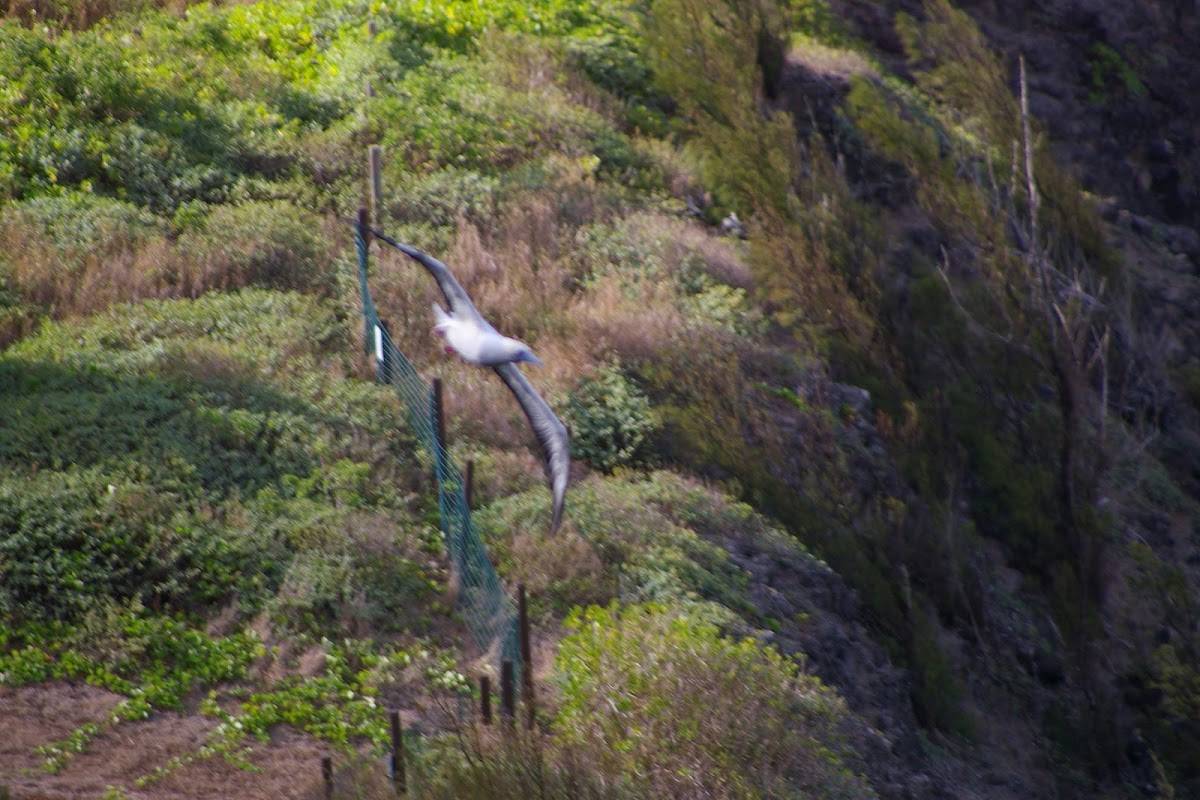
x=611 y=420
x=666 y=704
x=443 y=197
x=167 y=427
x=72 y=540
x=654 y=538
x=611 y=60
x=271 y=244
x=1112 y=76
x=355 y=573
x=523 y=764
x=75 y=222
x=458 y=113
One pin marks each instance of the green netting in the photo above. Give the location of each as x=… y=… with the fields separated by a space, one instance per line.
x=488 y=609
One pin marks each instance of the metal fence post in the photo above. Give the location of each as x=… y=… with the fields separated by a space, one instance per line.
x=507 y=704
x=399 y=776
x=526 y=656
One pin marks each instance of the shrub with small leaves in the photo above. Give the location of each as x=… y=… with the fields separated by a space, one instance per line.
x=611 y=420
x=669 y=705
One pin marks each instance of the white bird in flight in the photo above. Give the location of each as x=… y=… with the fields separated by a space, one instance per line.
x=480 y=344
x=472 y=337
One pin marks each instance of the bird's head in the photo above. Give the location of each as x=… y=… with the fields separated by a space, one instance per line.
x=522 y=352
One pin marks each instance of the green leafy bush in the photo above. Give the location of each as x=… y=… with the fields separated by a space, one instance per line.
x=640 y=539
x=71 y=539
x=611 y=420
x=443 y=197
x=367 y=579
x=271 y=244
x=77 y=221
x=456 y=113
x=663 y=702
x=1112 y=75
x=141 y=452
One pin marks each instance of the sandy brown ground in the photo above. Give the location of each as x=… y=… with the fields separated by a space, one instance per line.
x=288 y=767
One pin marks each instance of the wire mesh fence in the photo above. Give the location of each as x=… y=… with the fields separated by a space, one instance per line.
x=486 y=607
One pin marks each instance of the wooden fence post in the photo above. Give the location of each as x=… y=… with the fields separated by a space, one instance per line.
x=439 y=414
x=469 y=483
x=375 y=162
x=485 y=699
x=383 y=359
x=399 y=776
x=364 y=223
x=440 y=454
x=507 y=710
x=526 y=656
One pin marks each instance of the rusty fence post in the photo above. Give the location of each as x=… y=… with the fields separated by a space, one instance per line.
x=507 y=710
x=399 y=776
x=485 y=699
x=375 y=166
x=469 y=483
x=526 y=656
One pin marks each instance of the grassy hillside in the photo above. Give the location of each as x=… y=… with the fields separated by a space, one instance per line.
x=207 y=508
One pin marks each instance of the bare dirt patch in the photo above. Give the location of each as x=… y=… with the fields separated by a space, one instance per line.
x=286 y=767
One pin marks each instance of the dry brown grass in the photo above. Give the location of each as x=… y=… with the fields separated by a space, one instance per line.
x=72 y=282
x=831 y=61
x=523 y=272
x=555 y=566
x=245 y=246
x=78 y=14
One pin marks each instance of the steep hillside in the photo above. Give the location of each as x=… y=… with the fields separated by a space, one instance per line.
x=892 y=489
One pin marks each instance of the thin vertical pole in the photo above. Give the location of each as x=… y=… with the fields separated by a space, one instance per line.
x=469 y=483
x=439 y=414
x=485 y=699
x=506 y=692
x=399 y=777
x=327 y=775
x=451 y=534
x=383 y=359
x=364 y=222
x=375 y=159
x=526 y=656
x=438 y=421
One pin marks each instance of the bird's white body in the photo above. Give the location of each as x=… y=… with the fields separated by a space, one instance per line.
x=473 y=337
x=480 y=344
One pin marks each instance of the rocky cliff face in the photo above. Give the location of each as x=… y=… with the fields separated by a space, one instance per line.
x=1116 y=87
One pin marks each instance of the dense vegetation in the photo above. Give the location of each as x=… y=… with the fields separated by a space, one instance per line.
x=199 y=487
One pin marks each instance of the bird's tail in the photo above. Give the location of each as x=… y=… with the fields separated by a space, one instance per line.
x=443 y=319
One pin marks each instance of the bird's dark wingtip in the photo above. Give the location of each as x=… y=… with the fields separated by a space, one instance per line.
x=556 y=516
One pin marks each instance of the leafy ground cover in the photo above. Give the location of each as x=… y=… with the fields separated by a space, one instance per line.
x=201 y=500
x=205 y=510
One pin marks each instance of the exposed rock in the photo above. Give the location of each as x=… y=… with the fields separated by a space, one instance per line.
x=815 y=613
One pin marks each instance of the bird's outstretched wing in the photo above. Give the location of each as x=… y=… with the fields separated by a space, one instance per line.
x=551 y=435
x=456 y=296
x=549 y=430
